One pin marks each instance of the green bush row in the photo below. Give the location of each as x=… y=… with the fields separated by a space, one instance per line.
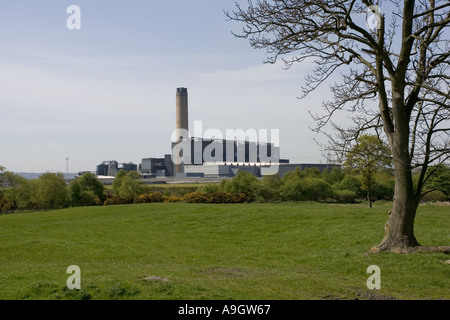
x=50 y=190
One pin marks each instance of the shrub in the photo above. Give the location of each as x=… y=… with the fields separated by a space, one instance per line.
x=316 y=189
x=5 y=206
x=242 y=197
x=267 y=194
x=149 y=197
x=292 y=190
x=87 y=198
x=351 y=183
x=383 y=190
x=168 y=199
x=50 y=191
x=115 y=199
x=434 y=196
x=131 y=186
x=310 y=189
x=243 y=182
x=345 y=196
x=90 y=182
x=218 y=197
x=196 y=197
x=210 y=188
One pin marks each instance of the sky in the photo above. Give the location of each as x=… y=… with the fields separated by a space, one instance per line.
x=106 y=91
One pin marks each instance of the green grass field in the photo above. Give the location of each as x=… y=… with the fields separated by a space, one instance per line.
x=204 y=251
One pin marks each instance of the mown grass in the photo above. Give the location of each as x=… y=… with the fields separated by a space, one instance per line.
x=206 y=251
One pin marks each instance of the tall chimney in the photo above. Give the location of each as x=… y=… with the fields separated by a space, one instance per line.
x=182 y=122
x=182 y=112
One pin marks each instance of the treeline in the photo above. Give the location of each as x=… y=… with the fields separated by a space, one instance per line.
x=50 y=190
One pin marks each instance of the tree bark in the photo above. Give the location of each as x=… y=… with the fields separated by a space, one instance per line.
x=399 y=230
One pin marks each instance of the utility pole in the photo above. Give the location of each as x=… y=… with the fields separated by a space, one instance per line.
x=67 y=168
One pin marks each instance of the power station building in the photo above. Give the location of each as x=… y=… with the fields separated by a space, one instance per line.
x=110 y=168
x=204 y=157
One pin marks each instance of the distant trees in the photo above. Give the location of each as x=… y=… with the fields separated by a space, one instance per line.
x=130 y=185
x=16 y=194
x=50 y=191
x=340 y=185
x=87 y=190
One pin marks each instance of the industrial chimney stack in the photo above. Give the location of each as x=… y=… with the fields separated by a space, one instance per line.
x=182 y=112
x=182 y=122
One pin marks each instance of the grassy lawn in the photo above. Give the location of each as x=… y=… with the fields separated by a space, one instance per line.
x=204 y=251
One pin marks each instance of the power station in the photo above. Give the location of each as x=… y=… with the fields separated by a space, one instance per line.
x=209 y=157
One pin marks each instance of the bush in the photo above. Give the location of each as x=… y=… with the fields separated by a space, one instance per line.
x=50 y=191
x=209 y=188
x=218 y=197
x=88 y=198
x=131 y=187
x=351 y=183
x=434 y=196
x=5 y=206
x=149 y=197
x=292 y=190
x=242 y=197
x=383 y=190
x=115 y=200
x=168 y=199
x=316 y=189
x=269 y=188
x=243 y=182
x=268 y=194
x=90 y=182
x=345 y=196
x=196 y=197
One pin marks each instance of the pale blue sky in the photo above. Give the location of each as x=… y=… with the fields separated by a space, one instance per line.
x=107 y=91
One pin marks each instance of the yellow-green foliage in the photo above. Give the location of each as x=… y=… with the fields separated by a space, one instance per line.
x=149 y=197
x=218 y=197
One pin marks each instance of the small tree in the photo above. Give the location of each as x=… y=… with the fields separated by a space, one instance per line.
x=75 y=192
x=131 y=186
x=242 y=182
x=50 y=191
x=118 y=181
x=16 y=190
x=366 y=157
x=90 y=182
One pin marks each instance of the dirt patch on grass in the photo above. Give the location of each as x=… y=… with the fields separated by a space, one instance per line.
x=154 y=279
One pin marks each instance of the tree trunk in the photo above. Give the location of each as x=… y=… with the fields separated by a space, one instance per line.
x=369 y=199
x=399 y=230
x=369 y=192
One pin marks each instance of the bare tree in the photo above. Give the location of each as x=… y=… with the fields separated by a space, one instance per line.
x=395 y=79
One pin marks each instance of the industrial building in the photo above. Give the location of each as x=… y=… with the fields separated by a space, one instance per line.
x=110 y=168
x=201 y=157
